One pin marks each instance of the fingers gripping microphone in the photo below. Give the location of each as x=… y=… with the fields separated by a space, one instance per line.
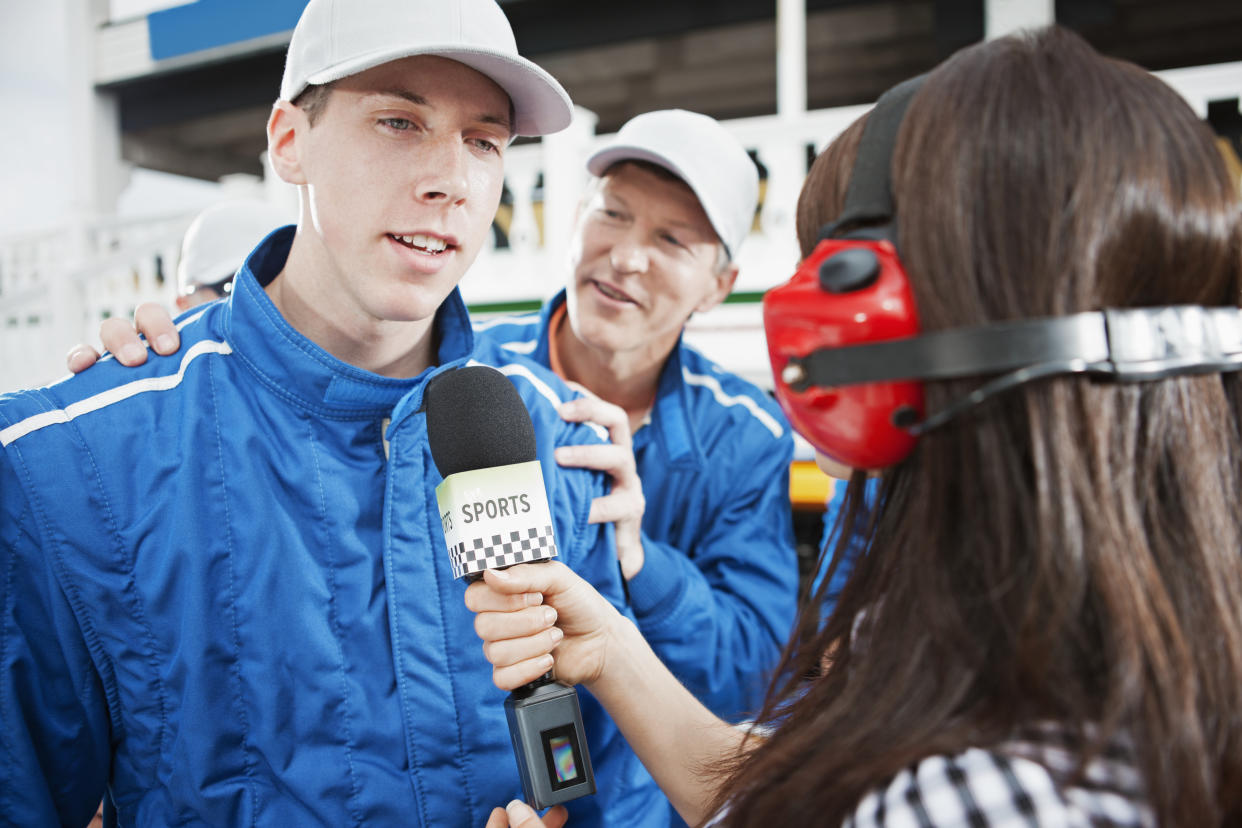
x=495 y=514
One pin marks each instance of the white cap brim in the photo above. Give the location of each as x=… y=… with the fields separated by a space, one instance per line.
x=540 y=104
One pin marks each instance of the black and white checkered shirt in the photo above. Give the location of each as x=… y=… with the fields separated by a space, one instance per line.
x=1012 y=786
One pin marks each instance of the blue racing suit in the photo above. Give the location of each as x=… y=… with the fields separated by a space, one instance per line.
x=718 y=590
x=226 y=597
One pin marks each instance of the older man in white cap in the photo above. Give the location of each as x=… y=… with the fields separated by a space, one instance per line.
x=709 y=563
x=227 y=600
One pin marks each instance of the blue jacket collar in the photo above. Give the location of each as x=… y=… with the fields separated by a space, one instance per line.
x=298 y=369
x=542 y=354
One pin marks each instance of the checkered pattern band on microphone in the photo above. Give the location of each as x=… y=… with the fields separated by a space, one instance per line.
x=495 y=551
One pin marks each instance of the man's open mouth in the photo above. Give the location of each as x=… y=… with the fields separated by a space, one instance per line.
x=422 y=243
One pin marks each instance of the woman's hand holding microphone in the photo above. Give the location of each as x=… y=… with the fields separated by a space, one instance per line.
x=526 y=612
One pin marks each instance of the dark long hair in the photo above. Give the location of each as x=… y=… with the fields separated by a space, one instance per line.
x=1071 y=551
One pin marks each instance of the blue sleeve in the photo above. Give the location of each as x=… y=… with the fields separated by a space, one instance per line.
x=718 y=615
x=54 y=732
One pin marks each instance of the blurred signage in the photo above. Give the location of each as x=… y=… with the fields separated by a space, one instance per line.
x=210 y=24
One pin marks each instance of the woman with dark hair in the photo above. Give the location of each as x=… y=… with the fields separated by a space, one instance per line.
x=1046 y=624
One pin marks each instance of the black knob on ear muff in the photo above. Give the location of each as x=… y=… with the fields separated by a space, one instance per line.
x=905 y=417
x=849 y=270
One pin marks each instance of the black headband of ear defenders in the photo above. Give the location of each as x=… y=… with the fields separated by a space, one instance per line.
x=869 y=198
x=1126 y=345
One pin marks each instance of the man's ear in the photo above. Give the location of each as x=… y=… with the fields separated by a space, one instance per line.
x=285 y=126
x=725 y=280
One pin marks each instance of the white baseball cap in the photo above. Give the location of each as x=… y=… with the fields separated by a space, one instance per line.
x=221 y=237
x=702 y=153
x=338 y=38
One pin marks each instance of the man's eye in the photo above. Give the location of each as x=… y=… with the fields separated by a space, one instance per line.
x=399 y=124
x=671 y=239
x=486 y=145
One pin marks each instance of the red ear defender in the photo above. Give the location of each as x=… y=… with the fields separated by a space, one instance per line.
x=849 y=361
x=847 y=292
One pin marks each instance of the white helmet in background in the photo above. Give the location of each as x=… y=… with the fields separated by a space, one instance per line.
x=219 y=240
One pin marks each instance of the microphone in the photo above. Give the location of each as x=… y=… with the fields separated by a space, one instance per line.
x=492 y=503
x=495 y=514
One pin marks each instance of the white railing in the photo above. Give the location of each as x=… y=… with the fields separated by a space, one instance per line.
x=57 y=286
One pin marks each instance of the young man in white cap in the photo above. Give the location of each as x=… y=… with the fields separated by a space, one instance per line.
x=699 y=457
x=226 y=599
x=655 y=240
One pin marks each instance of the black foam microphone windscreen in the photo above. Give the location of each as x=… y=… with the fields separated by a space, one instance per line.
x=476 y=420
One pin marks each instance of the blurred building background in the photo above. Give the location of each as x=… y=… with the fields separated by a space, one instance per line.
x=122 y=118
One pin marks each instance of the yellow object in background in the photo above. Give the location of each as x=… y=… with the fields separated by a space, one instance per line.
x=809 y=488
